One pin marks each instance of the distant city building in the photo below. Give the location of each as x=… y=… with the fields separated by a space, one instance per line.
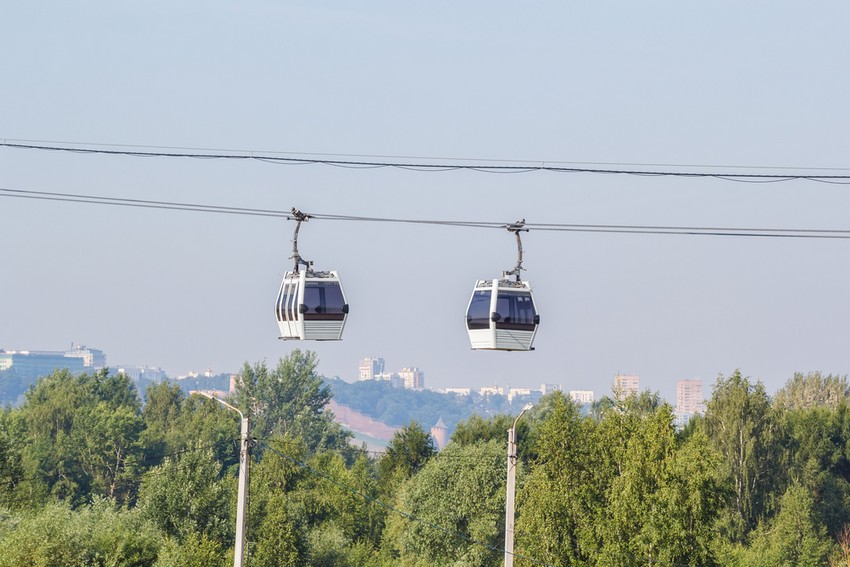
x=491 y=391
x=522 y=393
x=371 y=368
x=413 y=378
x=582 y=397
x=140 y=373
x=626 y=385
x=689 y=398
x=92 y=357
x=459 y=391
x=32 y=364
x=549 y=388
x=440 y=434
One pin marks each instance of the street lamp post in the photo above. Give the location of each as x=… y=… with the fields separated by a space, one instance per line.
x=242 y=496
x=511 y=491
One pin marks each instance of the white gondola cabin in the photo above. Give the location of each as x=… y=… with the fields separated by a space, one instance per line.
x=501 y=315
x=311 y=306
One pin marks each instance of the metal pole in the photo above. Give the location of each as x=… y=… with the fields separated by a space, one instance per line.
x=242 y=502
x=511 y=491
x=242 y=494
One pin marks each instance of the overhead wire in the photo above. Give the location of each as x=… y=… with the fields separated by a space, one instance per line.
x=481 y=166
x=756 y=232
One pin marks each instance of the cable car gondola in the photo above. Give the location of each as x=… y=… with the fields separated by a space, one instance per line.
x=501 y=313
x=311 y=304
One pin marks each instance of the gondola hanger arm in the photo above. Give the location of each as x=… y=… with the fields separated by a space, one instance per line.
x=299 y=217
x=516 y=228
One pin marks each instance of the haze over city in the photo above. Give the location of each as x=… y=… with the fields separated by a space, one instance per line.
x=727 y=87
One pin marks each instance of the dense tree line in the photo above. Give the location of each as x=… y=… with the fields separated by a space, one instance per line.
x=91 y=476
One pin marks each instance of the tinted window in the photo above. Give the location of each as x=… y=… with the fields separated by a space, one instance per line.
x=516 y=310
x=478 y=315
x=324 y=301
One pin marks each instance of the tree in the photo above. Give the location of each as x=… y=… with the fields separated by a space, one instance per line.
x=106 y=438
x=408 y=451
x=100 y=534
x=793 y=537
x=562 y=494
x=281 y=535
x=186 y=495
x=81 y=433
x=741 y=426
x=814 y=455
x=162 y=411
x=11 y=464
x=663 y=504
x=805 y=391
x=291 y=400
x=457 y=509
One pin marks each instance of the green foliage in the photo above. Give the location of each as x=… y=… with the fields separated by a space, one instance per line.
x=313 y=510
x=793 y=537
x=11 y=463
x=811 y=390
x=459 y=500
x=560 y=497
x=176 y=422
x=617 y=490
x=742 y=427
x=408 y=451
x=277 y=537
x=754 y=482
x=477 y=429
x=193 y=551
x=96 y=535
x=290 y=400
x=82 y=435
x=186 y=495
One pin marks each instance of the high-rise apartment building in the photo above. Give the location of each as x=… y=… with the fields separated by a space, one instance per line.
x=689 y=400
x=371 y=368
x=413 y=378
x=582 y=397
x=626 y=385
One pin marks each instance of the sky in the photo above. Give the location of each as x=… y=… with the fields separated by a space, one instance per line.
x=756 y=87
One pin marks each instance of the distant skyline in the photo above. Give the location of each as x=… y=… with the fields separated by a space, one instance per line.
x=752 y=87
x=357 y=375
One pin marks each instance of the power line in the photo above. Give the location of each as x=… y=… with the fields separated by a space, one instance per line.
x=754 y=232
x=425 y=164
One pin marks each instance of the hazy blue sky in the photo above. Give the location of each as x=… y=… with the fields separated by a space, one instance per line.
x=761 y=84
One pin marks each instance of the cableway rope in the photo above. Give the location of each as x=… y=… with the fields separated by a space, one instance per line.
x=507 y=166
x=831 y=234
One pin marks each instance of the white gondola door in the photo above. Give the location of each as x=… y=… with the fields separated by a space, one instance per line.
x=289 y=298
x=322 y=307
